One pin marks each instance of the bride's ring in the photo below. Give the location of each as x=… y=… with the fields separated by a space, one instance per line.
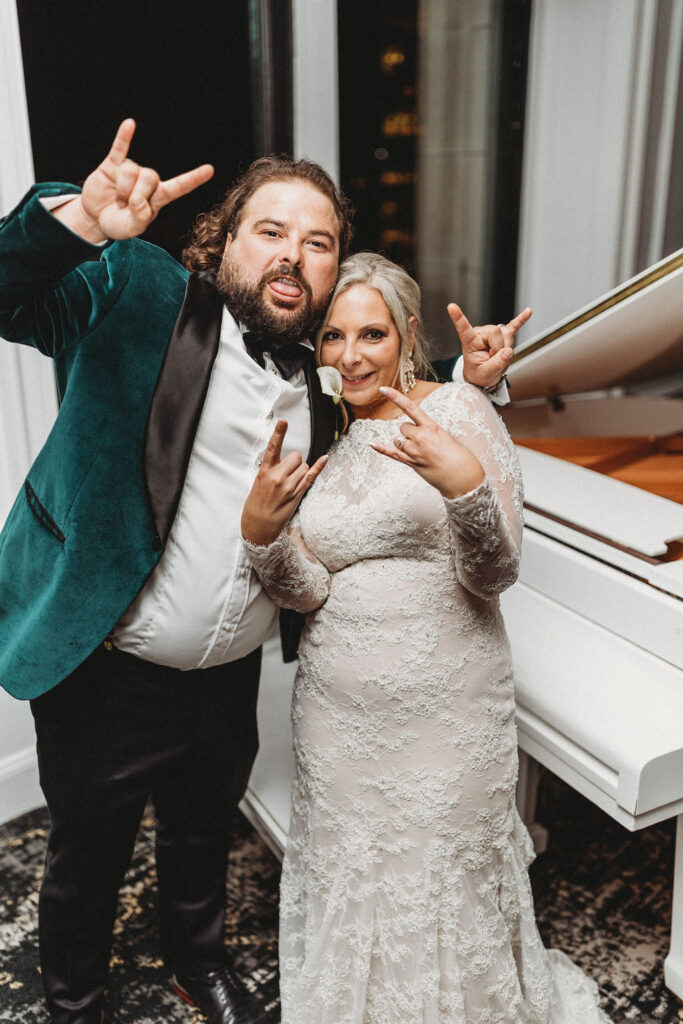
x=399 y=442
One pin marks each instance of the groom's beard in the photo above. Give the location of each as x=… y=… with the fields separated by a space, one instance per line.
x=248 y=304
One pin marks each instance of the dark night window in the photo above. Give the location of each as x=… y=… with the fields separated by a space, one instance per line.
x=180 y=69
x=431 y=101
x=378 y=123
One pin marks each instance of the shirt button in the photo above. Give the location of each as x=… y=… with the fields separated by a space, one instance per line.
x=270 y=415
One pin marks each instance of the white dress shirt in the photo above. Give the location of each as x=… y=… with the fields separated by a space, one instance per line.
x=203 y=605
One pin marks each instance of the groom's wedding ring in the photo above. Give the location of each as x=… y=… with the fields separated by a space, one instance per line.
x=399 y=442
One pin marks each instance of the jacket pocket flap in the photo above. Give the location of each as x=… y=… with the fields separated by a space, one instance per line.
x=41 y=513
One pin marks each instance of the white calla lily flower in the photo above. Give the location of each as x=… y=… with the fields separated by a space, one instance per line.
x=331 y=382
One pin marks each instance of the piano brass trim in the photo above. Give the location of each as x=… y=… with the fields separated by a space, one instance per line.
x=648 y=278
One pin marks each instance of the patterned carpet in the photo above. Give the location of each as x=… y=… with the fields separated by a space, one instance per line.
x=602 y=894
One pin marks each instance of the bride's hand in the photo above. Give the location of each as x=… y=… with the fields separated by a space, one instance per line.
x=431 y=451
x=279 y=486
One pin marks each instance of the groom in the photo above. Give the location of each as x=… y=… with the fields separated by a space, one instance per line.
x=128 y=614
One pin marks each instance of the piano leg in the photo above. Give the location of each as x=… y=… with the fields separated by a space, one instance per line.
x=673 y=965
x=527 y=791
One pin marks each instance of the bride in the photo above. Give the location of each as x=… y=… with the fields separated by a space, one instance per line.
x=405 y=897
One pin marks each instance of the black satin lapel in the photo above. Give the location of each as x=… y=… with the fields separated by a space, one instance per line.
x=323 y=414
x=179 y=397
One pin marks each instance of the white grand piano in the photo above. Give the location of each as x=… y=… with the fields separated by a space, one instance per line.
x=596 y=619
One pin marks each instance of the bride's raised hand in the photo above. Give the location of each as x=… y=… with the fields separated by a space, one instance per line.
x=279 y=486
x=431 y=451
x=119 y=199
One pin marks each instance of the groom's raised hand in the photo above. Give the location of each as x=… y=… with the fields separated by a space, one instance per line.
x=120 y=198
x=488 y=350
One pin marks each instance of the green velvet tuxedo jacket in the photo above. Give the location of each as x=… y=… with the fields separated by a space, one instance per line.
x=133 y=337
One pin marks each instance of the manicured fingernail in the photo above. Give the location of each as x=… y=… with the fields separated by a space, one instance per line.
x=384 y=390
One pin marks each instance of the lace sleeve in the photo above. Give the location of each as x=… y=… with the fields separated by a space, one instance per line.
x=291 y=576
x=486 y=523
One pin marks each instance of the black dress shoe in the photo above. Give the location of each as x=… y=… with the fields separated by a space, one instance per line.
x=218 y=994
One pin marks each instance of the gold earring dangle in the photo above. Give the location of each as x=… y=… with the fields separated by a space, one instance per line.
x=407 y=375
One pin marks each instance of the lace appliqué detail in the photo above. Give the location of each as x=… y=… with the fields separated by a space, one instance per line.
x=486 y=557
x=291 y=576
x=405 y=897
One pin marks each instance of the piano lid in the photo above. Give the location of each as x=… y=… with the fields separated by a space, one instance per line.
x=633 y=333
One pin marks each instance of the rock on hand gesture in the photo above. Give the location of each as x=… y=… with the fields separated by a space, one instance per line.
x=488 y=350
x=431 y=451
x=120 y=198
x=277 y=490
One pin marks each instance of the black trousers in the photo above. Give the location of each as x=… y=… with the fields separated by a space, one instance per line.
x=114 y=733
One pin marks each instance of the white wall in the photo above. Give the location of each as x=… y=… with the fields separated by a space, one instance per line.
x=585 y=134
x=28 y=405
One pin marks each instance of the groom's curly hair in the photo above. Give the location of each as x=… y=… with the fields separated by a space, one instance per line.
x=204 y=250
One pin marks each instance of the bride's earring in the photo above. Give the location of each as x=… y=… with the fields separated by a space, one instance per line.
x=407 y=374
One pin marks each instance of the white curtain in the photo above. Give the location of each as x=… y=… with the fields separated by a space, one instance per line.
x=28 y=405
x=599 y=137
x=28 y=397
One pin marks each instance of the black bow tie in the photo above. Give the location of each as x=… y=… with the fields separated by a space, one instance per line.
x=289 y=359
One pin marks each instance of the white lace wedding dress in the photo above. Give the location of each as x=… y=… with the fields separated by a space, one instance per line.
x=405 y=897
